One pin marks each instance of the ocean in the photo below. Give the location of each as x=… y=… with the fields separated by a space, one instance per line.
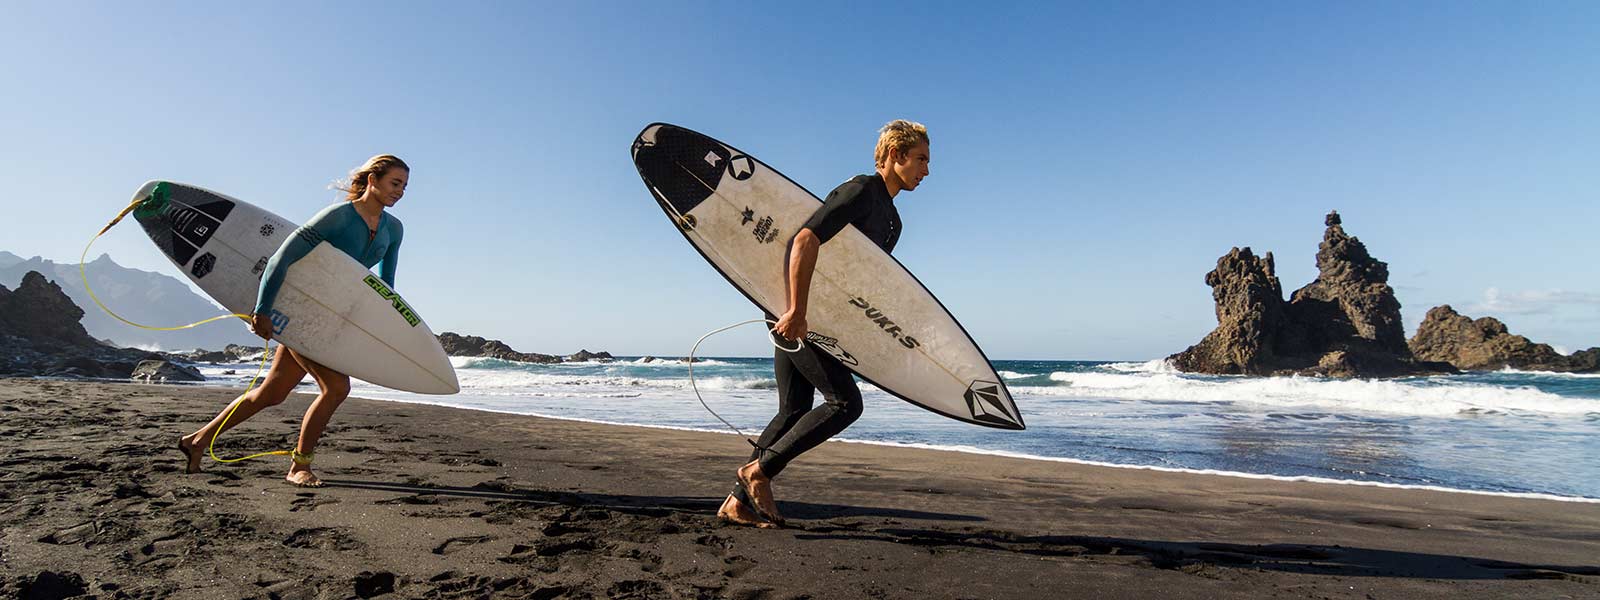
x=1504 y=432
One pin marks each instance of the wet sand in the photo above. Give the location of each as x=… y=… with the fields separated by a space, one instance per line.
x=432 y=502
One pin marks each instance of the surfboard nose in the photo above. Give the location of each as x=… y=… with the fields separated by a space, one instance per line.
x=682 y=167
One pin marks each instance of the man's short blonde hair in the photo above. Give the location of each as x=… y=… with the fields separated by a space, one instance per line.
x=901 y=136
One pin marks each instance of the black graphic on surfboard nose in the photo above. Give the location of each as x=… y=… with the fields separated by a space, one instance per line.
x=203 y=265
x=684 y=167
x=984 y=400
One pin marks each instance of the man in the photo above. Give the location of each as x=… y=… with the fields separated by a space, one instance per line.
x=867 y=202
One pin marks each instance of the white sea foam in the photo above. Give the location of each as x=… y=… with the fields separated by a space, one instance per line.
x=1159 y=365
x=1016 y=375
x=1511 y=371
x=1425 y=397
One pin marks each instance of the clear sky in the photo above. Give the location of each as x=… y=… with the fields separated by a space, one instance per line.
x=1090 y=160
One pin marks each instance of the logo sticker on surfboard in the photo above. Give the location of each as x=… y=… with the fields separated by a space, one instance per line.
x=983 y=399
x=400 y=305
x=831 y=346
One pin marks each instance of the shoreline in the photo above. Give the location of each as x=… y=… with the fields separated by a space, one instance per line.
x=975 y=451
x=436 y=502
x=967 y=450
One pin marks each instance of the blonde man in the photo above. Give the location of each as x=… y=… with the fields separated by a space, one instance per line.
x=867 y=202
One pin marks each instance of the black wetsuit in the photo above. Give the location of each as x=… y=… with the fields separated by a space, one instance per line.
x=864 y=202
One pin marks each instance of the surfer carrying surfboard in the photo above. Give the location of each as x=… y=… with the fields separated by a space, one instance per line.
x=360 y=228
x=867 y=202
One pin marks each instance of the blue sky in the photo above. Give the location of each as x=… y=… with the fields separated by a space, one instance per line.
x=1091 y=160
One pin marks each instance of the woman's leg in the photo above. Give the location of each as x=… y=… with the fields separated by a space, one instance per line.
x=335 y=388
x=284 y=374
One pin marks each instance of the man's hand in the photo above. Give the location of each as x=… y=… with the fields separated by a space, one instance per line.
x=791 y=326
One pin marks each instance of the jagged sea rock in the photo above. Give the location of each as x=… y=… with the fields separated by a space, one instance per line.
x=1346 y=323
x=1484 y=344
x=1250 y=309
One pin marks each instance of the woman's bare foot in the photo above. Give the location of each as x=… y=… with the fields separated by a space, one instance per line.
x=759 y=486
x=735 y=512
x=301 y=476
x=192 y=451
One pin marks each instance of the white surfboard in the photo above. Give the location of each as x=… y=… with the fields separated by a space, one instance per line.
x=330 y=309
x=865 y=308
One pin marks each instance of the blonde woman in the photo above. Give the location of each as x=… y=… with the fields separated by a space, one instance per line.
x=360 y=227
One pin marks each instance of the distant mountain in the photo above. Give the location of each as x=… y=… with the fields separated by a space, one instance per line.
x=139 y=296
x=7 y=259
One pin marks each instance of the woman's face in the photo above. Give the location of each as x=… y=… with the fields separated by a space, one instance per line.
x=388 y=187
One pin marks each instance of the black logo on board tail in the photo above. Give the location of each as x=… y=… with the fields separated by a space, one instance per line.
x=831 y=346
x=267 y=229
x=203 y=265
x=985 y=402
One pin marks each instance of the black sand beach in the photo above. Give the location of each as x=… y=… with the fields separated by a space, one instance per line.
x=431 y=502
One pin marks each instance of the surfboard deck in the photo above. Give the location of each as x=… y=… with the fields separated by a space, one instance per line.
x=866 y=309
x=330 y=309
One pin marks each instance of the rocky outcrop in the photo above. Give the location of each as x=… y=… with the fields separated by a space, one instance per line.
x=39 y=311
x=587 y=356
x=40 y=334
x=1346 y=323
x=229 y=353
x=1485 y=344
x=163 y=371
x=1250 y=313
x=470 y=345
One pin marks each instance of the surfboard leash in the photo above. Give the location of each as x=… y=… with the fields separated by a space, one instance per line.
x=265 y=349
x=799 y=344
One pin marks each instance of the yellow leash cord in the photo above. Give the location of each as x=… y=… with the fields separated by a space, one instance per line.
x=210 y=448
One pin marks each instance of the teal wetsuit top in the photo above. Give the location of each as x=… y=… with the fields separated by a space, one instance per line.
x=343 y=227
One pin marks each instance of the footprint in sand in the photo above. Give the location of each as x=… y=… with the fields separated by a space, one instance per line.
x=737 y=565
x=722 y=544
x=309 y=501
x=322 y=538
x=638 y=588
x=457 y=543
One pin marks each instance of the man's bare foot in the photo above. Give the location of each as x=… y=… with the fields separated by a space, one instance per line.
x=191 y=451
x=736 y=513
x=759 y=486
x=303 y=477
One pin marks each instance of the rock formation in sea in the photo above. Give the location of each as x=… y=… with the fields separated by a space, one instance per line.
x=1485 y=344
x=41 y=334
x=1346 y=323
x=471 y=345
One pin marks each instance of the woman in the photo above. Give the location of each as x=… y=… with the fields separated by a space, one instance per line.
x=359 y=227
x=867 y=203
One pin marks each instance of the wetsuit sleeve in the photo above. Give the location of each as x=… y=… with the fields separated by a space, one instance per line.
x=843 y=206
x=392 y=257
x=325 y=224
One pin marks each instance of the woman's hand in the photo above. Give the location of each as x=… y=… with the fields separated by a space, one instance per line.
x=791 y=326
x=261 y=325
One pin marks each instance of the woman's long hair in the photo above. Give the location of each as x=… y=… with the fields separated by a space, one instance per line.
x=378 y=165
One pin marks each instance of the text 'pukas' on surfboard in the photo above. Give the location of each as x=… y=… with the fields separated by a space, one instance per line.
x=330 y=309
x=866 y=309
